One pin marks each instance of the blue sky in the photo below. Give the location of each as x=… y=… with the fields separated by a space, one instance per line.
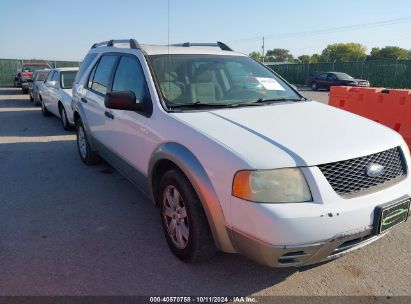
x=65 y=30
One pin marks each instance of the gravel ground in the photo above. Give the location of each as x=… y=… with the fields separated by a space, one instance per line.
x=69 y=229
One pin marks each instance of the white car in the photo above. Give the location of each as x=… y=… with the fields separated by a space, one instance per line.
x=56 y=95
x=234 y=157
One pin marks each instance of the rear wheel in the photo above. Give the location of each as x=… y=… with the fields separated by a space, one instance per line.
x=44 y=110
x=314 y=86
x=63 y=117
x=25 y=91
x=87 y=155
x=183 y=218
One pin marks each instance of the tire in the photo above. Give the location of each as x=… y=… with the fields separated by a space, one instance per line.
x=25 y=91
x=44 y=110
x=186 y=218
x=314 y=86
x=63 y=118
x=87 y=155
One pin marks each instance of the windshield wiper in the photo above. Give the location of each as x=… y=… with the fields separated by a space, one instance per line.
x=197 y=105
x=272 y=100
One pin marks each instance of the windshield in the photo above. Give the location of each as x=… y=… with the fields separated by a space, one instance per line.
x=67 y=79
x=32 y=68
x=216 y=79
x=343 y=76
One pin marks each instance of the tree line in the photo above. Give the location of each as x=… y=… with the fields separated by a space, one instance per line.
x=336 y=52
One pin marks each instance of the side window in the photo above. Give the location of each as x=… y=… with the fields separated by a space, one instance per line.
x=49 y=76
x=322 y=76
x=56 y=77
x=100 y=76
x=332 y=77
x=130 y=77
x=84 y=65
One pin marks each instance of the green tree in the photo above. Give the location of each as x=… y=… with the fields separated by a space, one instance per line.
x=256 y=55
x=316 y=58
x=389 y=52
x=279 y=55
x=304 y=59
x=345 y=52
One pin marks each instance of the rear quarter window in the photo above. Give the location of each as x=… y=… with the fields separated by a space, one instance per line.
x=84 y=65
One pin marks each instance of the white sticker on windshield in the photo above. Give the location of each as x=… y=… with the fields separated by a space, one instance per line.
x=270 y=84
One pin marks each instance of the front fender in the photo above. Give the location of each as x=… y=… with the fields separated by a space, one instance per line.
x=196 y=174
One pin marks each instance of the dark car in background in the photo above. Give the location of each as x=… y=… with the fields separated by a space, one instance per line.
x=329 y=79
x=27 y=69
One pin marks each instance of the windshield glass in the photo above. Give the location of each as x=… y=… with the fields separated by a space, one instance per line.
x=343 y=76
x=216 y=79
x=32 y=68
x=67 y=79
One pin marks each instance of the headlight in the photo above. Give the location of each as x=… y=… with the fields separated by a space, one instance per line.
x=272 y=186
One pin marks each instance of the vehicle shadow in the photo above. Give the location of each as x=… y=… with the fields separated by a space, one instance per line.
x=90 y=232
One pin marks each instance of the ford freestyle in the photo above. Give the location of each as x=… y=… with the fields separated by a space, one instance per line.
x=235 y=158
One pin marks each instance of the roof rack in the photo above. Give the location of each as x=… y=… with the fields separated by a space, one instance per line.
x=132 y=42
x=219 y=44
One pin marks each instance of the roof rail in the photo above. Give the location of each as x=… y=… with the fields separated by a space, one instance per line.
x=132 y=42
x=219 y=44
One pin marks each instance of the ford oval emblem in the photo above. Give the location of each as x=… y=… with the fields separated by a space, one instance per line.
x=374 y=170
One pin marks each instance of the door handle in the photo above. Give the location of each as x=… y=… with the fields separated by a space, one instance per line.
x=109 y=115
x=83 y=100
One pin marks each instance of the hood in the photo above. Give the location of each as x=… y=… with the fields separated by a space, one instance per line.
x=292 y=134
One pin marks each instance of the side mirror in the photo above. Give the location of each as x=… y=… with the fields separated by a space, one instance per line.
x=51 y=83
x=123 y=100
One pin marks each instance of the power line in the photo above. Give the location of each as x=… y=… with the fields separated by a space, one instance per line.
x=329 y=30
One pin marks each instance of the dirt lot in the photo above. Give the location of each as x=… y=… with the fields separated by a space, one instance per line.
x=69 y=229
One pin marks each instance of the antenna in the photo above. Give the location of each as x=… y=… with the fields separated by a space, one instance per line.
x=168 y=45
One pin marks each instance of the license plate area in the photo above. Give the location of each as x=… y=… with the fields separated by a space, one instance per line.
x=389 y=215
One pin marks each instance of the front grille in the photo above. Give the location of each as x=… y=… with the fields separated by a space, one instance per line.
x=349 y=177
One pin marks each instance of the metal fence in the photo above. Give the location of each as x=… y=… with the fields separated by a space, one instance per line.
x=10 y=67
x=380 y=73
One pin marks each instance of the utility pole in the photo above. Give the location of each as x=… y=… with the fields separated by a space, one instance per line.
x=263 y=47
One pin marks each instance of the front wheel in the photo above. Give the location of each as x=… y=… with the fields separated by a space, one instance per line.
x=314 y=86
x=183 y=219
x=87 y=155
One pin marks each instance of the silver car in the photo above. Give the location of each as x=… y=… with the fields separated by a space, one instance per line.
x=35 y=83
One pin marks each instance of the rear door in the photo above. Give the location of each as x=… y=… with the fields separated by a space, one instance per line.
x=96 y=88
x=45 y=90
x=53 y=97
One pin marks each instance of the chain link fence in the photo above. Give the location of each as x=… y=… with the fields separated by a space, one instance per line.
x=380 y=73
x=10 y=67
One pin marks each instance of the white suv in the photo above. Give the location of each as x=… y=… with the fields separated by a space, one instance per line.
x=235 y=158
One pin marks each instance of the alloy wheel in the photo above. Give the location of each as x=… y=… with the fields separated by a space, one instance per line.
x=175 y=217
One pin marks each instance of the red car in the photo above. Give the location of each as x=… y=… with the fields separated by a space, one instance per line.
x=26 y=72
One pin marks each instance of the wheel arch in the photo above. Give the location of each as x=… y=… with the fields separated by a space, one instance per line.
x=172 y=154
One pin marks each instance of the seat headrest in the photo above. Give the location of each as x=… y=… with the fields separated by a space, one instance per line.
x=206 y=76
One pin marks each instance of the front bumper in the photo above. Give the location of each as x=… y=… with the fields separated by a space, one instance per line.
x=304 y=254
